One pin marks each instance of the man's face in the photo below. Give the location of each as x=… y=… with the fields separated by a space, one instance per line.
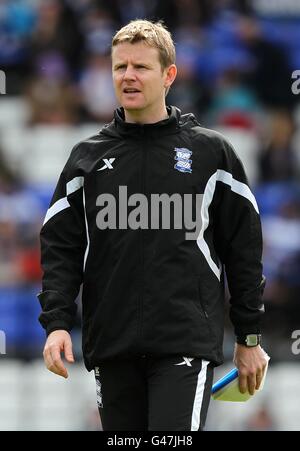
x=138 y=77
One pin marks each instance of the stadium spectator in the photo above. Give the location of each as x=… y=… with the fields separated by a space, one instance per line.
x=57 y=31
x=278 y=161
x=234 y=104
x=96 y=88
x=17 y=19
x=271 y=73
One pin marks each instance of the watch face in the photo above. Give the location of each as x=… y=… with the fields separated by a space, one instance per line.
x=249 y=340
x=252 y=340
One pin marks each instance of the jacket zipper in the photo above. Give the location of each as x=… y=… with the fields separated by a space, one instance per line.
x=143 y=176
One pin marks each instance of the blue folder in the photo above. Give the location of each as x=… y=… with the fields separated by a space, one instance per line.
x=229 y=377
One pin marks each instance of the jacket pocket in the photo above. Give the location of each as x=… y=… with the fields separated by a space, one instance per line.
x=202 y=304
x=204 y=310
x=199 y=302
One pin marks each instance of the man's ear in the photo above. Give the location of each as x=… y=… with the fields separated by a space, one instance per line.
x=171 y=73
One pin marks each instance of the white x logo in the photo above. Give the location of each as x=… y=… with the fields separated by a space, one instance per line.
x=107 y=164
x=186 y=361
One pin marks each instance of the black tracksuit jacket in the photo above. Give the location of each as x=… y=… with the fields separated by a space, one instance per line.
x=151 y=291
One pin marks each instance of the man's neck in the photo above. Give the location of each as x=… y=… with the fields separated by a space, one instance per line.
x=137 y=116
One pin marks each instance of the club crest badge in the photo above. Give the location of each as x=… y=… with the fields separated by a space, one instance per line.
x=183 y=159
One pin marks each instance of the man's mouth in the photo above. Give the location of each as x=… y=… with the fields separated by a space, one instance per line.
x=130 y=90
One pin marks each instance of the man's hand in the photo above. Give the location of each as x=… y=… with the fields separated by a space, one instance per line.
x=251 y=364
x=58 y=341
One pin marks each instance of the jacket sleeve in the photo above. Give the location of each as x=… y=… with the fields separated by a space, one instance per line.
x=238 y=240
x=63 y=244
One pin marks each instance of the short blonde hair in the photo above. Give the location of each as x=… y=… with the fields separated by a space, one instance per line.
x=153 y=34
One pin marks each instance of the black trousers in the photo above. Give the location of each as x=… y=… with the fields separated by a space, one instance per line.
x=154 y=394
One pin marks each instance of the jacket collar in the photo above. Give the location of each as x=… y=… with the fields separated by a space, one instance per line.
x=164 y=127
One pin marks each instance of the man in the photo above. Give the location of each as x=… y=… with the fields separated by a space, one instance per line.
x=152 y=291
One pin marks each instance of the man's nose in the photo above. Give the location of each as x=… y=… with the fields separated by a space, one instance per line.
x=129 y=73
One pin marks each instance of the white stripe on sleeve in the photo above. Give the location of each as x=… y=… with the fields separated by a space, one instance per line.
x=237 y=187
x=59 y=205
x=75 y=184
x=87 y=232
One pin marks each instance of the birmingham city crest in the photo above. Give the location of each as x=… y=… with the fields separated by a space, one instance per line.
x=183 y=159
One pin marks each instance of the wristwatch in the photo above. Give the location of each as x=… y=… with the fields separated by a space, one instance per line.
x=249 y=340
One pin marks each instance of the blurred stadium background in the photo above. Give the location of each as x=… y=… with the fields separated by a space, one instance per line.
x=235 y=60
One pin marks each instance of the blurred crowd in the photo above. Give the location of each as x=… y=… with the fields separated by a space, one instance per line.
x=235 y=66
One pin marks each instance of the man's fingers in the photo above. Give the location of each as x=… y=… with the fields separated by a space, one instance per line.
x=54 y=369
x=242 y=383
x=59 y=341
x=57 y=365
x=251 y=383
x=47 y=357
x=259 y=376
x=251 y=364
x=68 y=352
